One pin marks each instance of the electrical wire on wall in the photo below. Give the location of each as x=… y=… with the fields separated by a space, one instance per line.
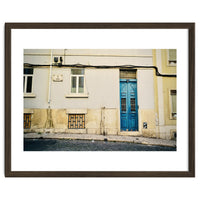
x=125 y=67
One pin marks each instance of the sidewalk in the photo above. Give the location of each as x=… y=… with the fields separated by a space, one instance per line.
x=111 y=138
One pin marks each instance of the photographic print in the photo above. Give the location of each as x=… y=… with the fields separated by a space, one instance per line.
x=99 y=99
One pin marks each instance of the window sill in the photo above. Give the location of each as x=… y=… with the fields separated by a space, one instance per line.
x=171 y=65
x=76 y=96
x=76 y=111
x=28 y=111
x=31 y=95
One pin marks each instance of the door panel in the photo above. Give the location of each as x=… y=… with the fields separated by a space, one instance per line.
x=124 y=116
x=129 y=108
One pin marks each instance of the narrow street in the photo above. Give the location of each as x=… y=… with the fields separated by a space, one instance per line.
x=87 y=145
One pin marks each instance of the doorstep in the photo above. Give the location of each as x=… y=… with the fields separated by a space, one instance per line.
x=130 y=133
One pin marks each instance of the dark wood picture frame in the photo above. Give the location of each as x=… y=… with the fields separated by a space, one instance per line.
x=191 y=99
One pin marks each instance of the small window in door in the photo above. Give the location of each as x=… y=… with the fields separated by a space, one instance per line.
x=132 y=104
x=123 y=104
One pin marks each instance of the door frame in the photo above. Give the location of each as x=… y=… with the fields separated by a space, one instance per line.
x=137 y=107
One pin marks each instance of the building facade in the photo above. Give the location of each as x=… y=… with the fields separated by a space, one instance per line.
x=101 y=91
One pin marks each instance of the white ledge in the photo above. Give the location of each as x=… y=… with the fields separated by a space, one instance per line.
x=28 y=110
x=77 y=96
x=172 y=65
x=76 y=111
x=31 y=95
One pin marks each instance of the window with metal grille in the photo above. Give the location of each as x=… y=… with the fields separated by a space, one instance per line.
x=27 y=121
x=76 y=121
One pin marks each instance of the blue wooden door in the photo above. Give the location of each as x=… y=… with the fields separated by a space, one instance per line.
x=128 y=105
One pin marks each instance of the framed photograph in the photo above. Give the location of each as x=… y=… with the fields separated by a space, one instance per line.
x=99 y=99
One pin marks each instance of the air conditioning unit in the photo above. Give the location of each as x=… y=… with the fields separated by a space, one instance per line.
x=58 y=60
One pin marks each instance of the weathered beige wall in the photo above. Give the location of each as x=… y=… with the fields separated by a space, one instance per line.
x=38 y=119
x=165 y=126
x=166 y=132
x=97 y=121
x=111 y=121
x=168 y=84
x=93 y=121
x=59 y=118
x=148 y=116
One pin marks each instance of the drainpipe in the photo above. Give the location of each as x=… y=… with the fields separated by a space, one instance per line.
x=50 y=77
x=49 y=122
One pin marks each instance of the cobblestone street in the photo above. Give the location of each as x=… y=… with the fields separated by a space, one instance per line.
x=85 y=145
x=109 y=138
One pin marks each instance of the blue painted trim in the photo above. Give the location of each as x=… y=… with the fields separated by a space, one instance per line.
x=128 y=118
x=131 y=80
